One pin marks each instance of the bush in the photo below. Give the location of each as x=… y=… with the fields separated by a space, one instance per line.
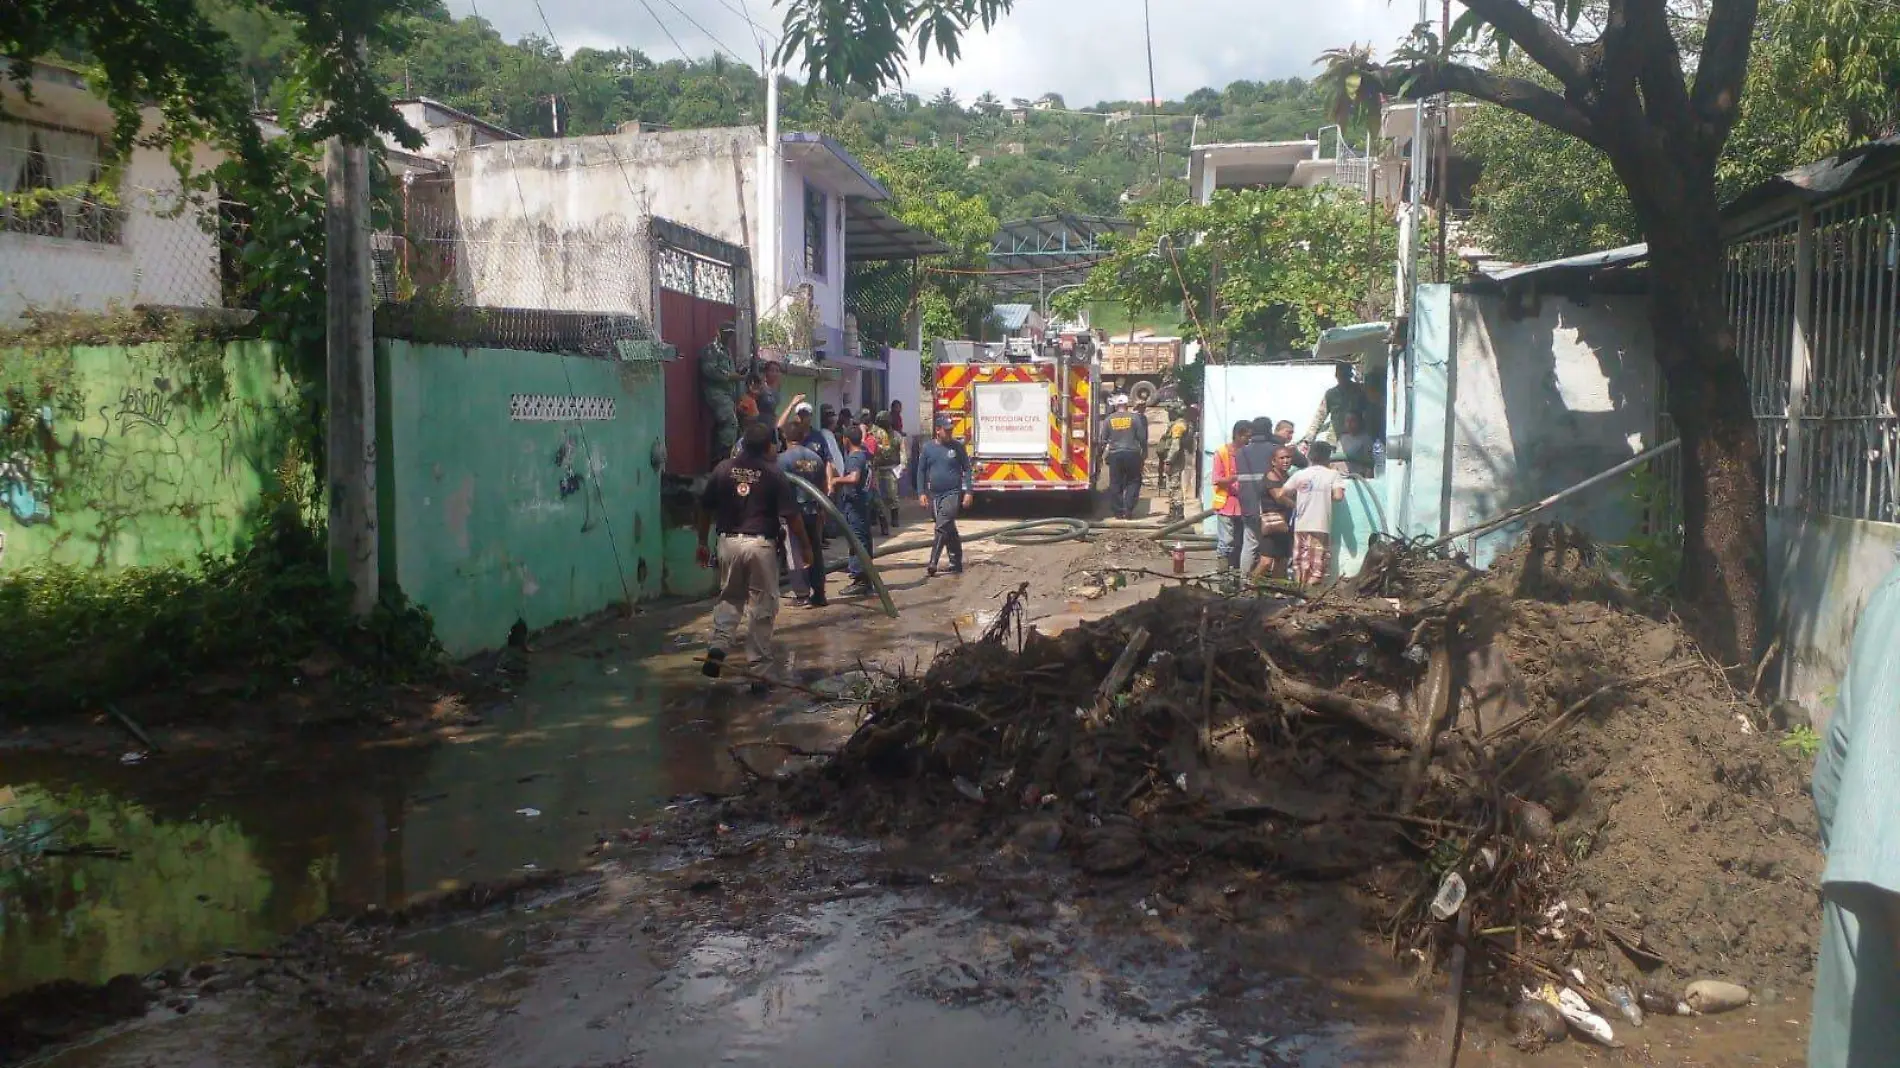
x=72 y=638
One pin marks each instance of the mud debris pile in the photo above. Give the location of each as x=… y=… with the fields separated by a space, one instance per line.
x=1611 y=808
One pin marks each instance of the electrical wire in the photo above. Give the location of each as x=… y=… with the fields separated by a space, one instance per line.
x=657 y=22
x=717 y=43
x=1154 y=100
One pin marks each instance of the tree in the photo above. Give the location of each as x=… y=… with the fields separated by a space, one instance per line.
x=945 y=102
x=1621 y=86
x=1292 y=263
x=172 y=55
x=1626 y=92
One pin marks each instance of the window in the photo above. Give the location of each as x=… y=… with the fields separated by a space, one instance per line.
x=35 y=160
x=817 y=235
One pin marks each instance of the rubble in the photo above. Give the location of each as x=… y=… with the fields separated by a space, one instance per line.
x=1536 y=730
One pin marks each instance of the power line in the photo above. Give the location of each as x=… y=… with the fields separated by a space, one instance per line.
x=1154 y=100
x=717 y=43
x=656 y=20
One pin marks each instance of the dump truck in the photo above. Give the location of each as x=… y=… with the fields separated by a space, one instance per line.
x=1138 y=368
x=1028 y=424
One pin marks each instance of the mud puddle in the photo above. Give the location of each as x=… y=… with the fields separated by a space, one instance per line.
x=181 y=854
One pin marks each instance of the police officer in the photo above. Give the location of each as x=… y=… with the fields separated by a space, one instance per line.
x=748 y=499
x=720 y=380
x=1125 y=434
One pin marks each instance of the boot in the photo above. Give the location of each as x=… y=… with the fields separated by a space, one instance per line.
x=1176 y=512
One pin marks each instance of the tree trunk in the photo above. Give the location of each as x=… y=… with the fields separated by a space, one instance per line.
x=1725 y=530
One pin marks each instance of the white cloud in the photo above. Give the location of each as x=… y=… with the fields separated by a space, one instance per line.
x=1086 y=50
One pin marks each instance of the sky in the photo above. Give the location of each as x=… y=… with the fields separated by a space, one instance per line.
x=1086 y=50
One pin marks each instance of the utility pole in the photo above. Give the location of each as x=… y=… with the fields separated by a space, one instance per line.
x=351 y=431
x=1444 y=153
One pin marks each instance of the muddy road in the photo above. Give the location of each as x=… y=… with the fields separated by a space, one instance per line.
x=543 y=883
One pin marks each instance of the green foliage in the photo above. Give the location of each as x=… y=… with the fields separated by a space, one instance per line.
x=1803 y=742
x=861 y=44
x=1651 y=559
x=94 y=636
x=1545 y=195
x=174 y=56
x=1292 y=262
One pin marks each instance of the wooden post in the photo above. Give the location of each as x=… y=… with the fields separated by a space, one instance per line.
x=350 y=433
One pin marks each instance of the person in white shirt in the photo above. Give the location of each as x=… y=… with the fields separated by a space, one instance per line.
x=1312 y=492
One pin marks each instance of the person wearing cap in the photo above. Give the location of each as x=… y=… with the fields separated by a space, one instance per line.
x=944 y=483
x=1125 y=437
x=720 y=381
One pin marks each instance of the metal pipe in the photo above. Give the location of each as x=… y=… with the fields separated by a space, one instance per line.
x=1518 y=513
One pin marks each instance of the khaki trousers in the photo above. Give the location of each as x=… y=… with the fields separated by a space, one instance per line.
x=748 y=585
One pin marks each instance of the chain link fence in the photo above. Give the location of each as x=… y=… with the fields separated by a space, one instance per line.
x=514 y=282
x=71 y=241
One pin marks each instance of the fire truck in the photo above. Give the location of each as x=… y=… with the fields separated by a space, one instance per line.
x=1029 y=424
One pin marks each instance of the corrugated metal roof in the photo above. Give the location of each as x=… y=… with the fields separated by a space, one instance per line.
x=1012 y=317
x=1589 y=261
x=1812 y=181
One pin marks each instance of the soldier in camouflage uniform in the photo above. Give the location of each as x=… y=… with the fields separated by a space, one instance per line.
x=719 y=380
x=1173 y=461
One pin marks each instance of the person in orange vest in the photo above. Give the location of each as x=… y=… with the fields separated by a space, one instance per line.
x=1226 y=481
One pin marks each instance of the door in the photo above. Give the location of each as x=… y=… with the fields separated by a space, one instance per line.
x=690 y=317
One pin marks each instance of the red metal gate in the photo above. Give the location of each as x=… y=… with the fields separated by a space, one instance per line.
x=691 y=311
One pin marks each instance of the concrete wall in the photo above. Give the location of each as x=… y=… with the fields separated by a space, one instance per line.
x=1504 y=406
x=163 y=255
x=827 y=286
x=516 y=198
x=1544 y=395
x=139 y=457
x=497 y=506
x=1821 y=571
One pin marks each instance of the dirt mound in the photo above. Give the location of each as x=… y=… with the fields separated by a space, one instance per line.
x=1596 y=783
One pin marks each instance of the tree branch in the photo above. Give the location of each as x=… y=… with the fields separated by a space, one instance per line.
x=1539 y=40
x=1723 y=67
x=1521 y=95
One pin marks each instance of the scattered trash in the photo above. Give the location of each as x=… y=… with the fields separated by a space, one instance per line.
x=1625 y=1003
x=1534 y=1023
x=1577 y=1012
x=1707 y=996
x=1663 y=1003
x=531 y=813
x=134 y=757
x=968 y=789
x=1451 y=897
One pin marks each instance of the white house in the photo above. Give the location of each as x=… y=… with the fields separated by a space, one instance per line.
x=81 y=253
x=525 y=195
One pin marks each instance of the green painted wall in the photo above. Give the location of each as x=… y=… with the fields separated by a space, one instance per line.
x=496 y=506
x=116 y=455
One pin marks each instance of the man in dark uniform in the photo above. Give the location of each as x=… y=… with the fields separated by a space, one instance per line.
x=808 y=584
x=854 y=500
x=719 y=381
x=944 y=484
x=1125 y=444
x=748 y=499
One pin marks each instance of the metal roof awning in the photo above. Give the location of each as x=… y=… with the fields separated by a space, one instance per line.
x=1348 y=342
x=1589 y=261
x=872 y=233
x=1032 y=255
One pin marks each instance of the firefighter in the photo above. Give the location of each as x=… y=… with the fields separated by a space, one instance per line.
x=719 y=379
x=1125 y=443
x=1174 y=459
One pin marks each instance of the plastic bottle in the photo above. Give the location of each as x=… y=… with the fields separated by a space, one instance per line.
x=1625 y=1003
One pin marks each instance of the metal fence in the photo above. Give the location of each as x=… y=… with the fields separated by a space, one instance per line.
x=514 y=282
x=1815 y=304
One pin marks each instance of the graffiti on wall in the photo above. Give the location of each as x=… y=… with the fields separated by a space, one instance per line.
x=153 y=471
x=573 y=482
x=24 y=493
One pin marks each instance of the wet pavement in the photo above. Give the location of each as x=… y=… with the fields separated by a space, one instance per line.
x=764 y=948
